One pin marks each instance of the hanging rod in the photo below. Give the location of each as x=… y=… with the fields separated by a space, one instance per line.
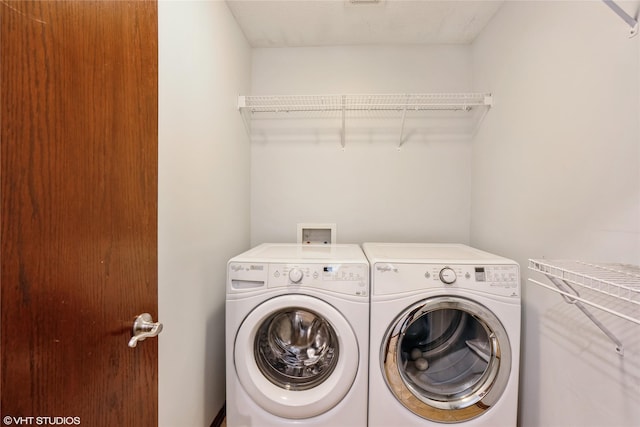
x=631 y=21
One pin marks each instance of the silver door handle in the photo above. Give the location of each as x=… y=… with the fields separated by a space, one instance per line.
x=143 y=328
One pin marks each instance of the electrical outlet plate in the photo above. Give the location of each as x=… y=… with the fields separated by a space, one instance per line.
x=316 y=234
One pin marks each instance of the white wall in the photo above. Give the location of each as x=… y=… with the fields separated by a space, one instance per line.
x=204 y=62
x=556 y=175
x=371 y=190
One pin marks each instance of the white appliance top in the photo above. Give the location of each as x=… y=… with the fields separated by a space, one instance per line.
x=440 y=253
x=296 y=252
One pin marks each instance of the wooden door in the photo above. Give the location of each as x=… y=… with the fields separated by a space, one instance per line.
x=78 y=139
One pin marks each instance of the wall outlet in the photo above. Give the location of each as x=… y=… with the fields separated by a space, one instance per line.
x=316 y=234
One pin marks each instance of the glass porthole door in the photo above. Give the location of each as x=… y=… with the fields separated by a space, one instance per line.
x=446 y=359
x=296 y=356
x=296 y=349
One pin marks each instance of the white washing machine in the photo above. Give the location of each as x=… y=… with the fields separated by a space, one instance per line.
x=445 y=336
x=297 y=336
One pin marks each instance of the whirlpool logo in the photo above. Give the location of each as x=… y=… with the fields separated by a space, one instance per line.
x=384 y=268
x=247 y=267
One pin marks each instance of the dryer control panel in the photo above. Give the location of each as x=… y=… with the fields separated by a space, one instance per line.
x=495 y=279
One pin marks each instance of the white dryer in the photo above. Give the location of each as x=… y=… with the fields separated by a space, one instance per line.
x=445 y=336
x=297 y=336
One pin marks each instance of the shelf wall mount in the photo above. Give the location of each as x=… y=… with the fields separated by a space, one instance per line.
x=619 y=283
x=631 y=21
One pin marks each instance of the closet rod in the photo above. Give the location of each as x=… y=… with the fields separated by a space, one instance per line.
x=632 y=22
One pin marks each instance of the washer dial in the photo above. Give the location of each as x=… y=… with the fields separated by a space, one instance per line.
x=296 y=275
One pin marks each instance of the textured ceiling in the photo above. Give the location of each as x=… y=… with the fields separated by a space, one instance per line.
x=282 y=23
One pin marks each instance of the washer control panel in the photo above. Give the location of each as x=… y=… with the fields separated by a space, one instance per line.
x=351 y=279
x=342 y=278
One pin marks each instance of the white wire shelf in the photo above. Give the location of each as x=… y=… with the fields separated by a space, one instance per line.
x=372 y=102
x=618 y=283
x=398 y=105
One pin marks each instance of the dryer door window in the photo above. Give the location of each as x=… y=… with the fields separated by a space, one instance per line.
x=447 y=359
x=296 y=356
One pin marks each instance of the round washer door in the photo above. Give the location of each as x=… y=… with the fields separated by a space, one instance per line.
x=446 y=359
x=296 y=356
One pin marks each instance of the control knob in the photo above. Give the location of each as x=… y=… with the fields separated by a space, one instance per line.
x=295 y=275
x=447 y=275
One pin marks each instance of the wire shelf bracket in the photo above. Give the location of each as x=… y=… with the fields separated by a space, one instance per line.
x=619 y=282
x=400 y=104
x=631 y=21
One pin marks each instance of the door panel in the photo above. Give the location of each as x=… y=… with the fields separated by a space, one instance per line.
x=447 y=359
x=78 y=140
x=284 y=399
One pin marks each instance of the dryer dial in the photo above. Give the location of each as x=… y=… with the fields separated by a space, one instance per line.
x=448 y=276
x=296 y=275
